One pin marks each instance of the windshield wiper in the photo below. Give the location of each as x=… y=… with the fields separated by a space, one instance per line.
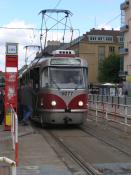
x=77 y=86
x=56 y=84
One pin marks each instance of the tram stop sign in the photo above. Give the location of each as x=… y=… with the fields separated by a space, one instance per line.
x=11 y=81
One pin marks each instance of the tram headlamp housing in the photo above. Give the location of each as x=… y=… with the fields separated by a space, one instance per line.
x=80 y=103
x=53 y=103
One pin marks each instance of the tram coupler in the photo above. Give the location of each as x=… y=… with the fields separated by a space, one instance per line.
x=67 y=110
x=67 y=120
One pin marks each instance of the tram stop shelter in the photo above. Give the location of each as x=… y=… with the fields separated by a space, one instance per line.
x=108 y=89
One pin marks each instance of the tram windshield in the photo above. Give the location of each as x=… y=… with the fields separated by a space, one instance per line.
x=72 y=78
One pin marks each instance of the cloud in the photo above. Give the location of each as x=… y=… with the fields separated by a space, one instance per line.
x=22 y=37
x=107 y=27
x=26 y=37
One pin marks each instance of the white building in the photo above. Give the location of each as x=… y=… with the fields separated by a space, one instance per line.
x=126 y=31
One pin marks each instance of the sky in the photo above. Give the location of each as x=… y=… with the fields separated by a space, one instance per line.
x=86 y=15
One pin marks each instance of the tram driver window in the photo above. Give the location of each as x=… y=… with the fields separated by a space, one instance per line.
x=45 y=81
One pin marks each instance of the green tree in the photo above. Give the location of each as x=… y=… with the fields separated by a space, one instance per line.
x=109 y=69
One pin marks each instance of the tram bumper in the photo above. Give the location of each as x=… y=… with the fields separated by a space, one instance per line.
x=72 y=117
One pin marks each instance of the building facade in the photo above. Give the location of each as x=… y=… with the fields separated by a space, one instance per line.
x=126 y=31
x=96 y=45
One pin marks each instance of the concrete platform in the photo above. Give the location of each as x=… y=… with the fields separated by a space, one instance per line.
x=36 y=157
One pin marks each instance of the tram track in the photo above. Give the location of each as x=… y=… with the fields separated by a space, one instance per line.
x=62 y=138
x=86 y=168
x=85 y=129
x=84 y=165
x=107 y=140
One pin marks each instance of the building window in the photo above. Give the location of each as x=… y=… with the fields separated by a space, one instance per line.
x=120 y=39
x=109 y=38
x=112 y=49
x=100 y=38
x=101 y=53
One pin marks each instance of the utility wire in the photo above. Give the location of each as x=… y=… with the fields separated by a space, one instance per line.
x=113 y=19
x=57 y=4
x=54 y=8
x=20 y=28
x=26 y=28
x=39 y=29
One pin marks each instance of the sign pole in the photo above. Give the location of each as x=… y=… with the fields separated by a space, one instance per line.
x=11 y=82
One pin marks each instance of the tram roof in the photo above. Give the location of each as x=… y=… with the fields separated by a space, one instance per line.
x=47 y=61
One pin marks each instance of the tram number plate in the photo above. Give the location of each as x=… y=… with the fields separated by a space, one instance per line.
x=67 y=93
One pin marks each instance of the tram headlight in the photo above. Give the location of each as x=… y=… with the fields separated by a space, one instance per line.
x=80 y=103
x=53 y=103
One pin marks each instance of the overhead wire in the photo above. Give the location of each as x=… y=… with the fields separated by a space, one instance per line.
x=59 y=1
x=111 y=20
x=19 y=28
x=39 y=29
x=26 y=28
x=46 y=30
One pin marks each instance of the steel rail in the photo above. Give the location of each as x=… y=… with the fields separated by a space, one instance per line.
x=83 y=128
x=84 y=165
x=88 y=169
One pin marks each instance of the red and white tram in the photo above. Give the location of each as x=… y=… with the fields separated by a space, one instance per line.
x=61 y=84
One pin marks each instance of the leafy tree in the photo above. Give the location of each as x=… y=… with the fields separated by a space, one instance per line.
x=109 y=69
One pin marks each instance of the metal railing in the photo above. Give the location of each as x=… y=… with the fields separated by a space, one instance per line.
x=111 y=109
x=14 y=132
x=11 y=163
x=125 y=100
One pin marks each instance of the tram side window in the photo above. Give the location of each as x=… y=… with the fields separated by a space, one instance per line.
x=34 y=75
x=45 y=81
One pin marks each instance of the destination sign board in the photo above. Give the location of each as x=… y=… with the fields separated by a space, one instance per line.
x=65 y=61
x=11 y=48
